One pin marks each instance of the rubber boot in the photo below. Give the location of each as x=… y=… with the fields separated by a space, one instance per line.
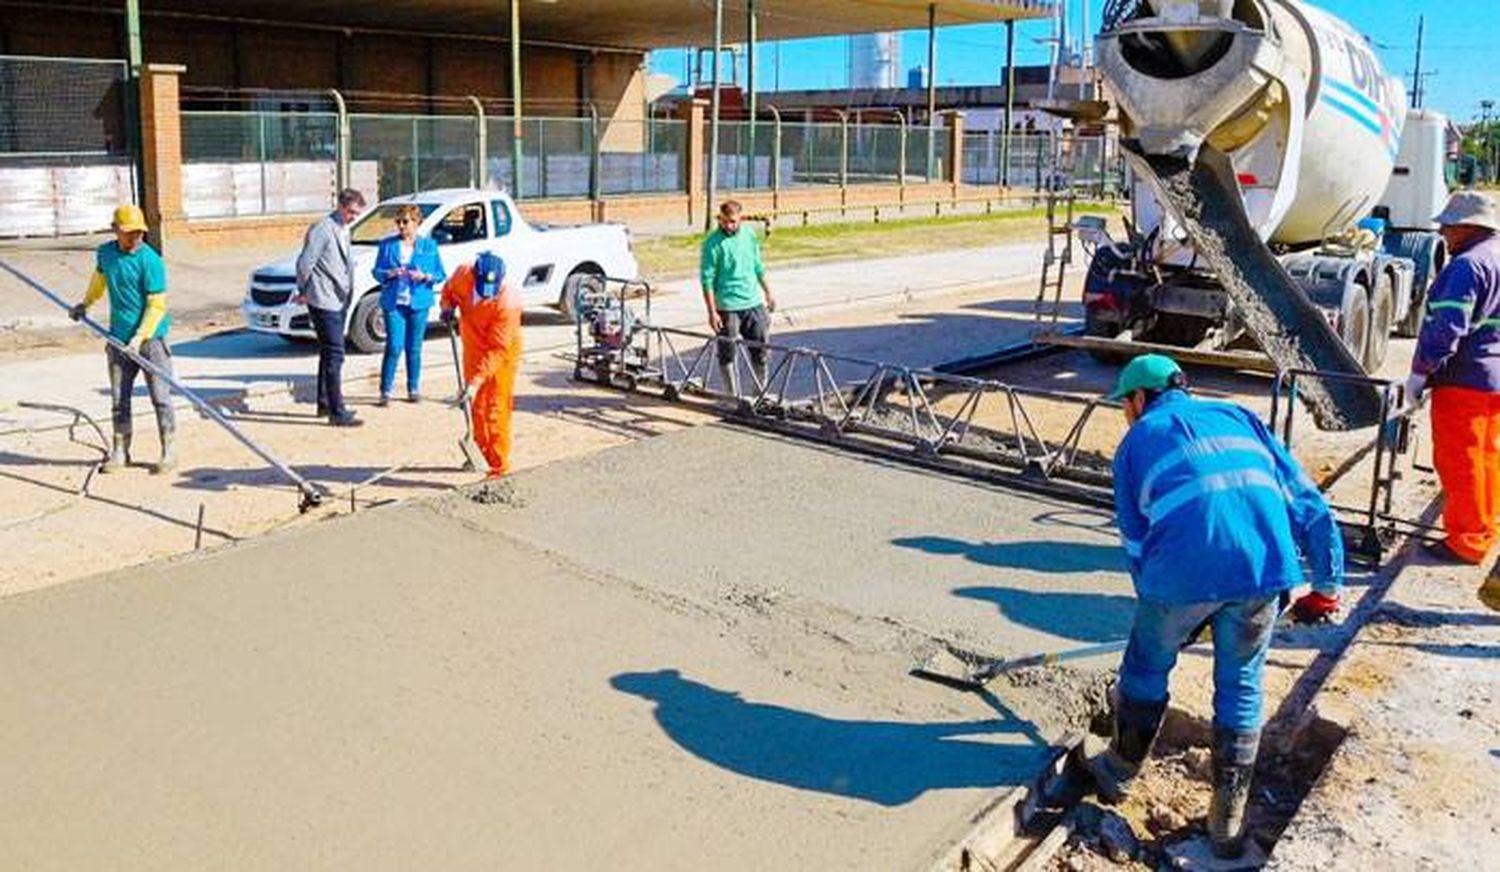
x=1114 y=765
x=1234 y=766
x=119 y=454
x=168 y=461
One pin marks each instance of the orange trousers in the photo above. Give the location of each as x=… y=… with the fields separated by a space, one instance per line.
x=492 y=407
x=1466 y=453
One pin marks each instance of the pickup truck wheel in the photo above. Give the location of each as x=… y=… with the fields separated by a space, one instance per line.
x=1097 y=327
x=367 y=326
x=577 y=281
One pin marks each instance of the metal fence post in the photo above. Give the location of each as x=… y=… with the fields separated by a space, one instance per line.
x=416 y=173
x=594 y=154
x=843 y=148
x=341 y=142
x=260 y=119
x=901 y=157
x=775 y=152
x=481 y=142
x=541 y=154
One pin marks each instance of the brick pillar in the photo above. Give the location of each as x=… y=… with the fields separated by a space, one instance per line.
x=161 y=151
x=955 y=175
x=695 y=147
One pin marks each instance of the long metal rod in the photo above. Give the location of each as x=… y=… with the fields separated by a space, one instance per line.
x=312 y=495
x=712 y=193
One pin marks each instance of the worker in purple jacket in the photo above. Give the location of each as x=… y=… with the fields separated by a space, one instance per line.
x=1458 y=359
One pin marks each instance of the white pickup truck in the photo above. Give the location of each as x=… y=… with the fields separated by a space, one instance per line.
x=465 y=222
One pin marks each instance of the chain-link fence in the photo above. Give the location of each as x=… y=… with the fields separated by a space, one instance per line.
x=415 y=152
x=258 y=163
x=642 y=157
x=66 y=154
x=1088 y=164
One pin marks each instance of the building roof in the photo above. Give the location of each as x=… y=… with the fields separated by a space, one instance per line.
x=632 y=24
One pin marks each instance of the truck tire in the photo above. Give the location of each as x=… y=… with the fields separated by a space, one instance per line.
x=1354 y=320
x=367 y=325
x=579 y=279
x=1097 y=327
x=1182 y=331
x=1428 y=253
x=1382 y=313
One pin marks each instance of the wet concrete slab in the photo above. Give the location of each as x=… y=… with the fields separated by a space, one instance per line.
x=723 y=514
x=686 y=653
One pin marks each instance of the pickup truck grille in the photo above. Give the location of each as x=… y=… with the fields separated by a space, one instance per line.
x=263 y=297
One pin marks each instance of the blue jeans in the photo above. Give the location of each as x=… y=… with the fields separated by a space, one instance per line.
x=1242 y=636
x=405 y=328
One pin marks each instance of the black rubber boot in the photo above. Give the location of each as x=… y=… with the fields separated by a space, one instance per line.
x=1234 y=766
x=1115 y=765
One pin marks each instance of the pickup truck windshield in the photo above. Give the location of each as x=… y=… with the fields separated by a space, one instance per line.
x=380 y=222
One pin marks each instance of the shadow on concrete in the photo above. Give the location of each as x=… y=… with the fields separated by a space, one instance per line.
x=1462 y=650
x=1405 y=616
x=1071 y=309
x=1087 y=617
x=1034 y=556
x=220 y=479
x=884 y=762
x=10 y=458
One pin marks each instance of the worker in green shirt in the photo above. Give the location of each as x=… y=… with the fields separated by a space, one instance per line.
x=131 y=274
x=736 y=294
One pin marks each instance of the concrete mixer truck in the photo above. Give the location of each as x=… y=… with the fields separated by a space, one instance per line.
x=1282 y=193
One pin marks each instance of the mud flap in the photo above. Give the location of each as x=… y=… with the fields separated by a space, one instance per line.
x=1204 y=196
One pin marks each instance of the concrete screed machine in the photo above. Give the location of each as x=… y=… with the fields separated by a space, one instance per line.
x=1282 y=194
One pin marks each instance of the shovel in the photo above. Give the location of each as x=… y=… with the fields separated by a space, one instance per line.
x=473 y=457
x=970 y=670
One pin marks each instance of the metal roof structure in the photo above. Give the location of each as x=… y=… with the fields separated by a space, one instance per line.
x=624 y=24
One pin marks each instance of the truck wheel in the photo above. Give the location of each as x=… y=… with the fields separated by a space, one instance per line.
x=1098 y=328
x=367 y=326
x=577 y=281
x=1182 y=331
x=1354 y=320
x=1382 y=308
x=1426 y=250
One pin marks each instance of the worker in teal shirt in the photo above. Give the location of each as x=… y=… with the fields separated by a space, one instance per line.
x=736 y=294
x=132 y=274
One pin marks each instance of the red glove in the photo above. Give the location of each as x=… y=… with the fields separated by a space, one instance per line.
x=1315 y=608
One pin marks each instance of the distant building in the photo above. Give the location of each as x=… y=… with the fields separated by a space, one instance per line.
x=916 y=77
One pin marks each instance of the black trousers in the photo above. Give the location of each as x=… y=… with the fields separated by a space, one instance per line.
x=328 y=324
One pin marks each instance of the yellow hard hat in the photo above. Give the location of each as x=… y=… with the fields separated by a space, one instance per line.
x=130 y=217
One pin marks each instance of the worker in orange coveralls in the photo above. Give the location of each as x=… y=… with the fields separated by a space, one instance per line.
x=488 y=306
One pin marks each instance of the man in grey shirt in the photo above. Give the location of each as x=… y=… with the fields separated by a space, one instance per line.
x=325 y=282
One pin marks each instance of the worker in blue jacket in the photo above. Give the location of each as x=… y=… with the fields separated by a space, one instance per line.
x=406 y=265
x=1213 y=513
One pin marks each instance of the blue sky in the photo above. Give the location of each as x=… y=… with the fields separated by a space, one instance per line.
x=1455 y=45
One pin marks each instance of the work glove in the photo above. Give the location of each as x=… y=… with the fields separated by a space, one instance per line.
x=1314 y=608
x=448 y=317
x=1416 y=386
x=78 y=311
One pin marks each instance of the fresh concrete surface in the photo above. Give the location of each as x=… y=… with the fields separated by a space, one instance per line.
x=718 y=514
x=684 y=656
x=238 y=361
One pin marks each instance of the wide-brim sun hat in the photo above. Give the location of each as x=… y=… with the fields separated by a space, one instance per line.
x=1473 y=208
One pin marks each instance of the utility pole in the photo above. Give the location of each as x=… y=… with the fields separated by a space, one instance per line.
x=1416 y=76
x=1488 y=152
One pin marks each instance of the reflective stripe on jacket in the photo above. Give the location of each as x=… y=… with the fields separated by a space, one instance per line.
x=1212 y=508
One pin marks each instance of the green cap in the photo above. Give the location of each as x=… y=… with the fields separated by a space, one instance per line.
x=1149 y=372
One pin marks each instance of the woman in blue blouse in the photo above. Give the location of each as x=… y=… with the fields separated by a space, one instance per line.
x=406 y=267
